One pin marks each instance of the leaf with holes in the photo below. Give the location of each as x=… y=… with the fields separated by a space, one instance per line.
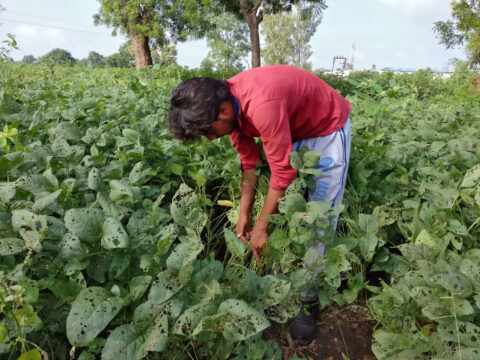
x=113 y=234
x=85 y=223
x=91 y=312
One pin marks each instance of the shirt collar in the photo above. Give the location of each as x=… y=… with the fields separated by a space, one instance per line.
x=237 y=109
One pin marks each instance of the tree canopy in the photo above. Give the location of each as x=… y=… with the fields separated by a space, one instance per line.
x=463 y=29
x=29 y=59
x=287 y=38
x=123 y=58
x=252 y=12
x=228 y=42
x=155 y=22
x=94 y=59
x=57 y=57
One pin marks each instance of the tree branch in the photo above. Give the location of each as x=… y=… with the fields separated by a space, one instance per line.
x=255 y=8
x=260 y=17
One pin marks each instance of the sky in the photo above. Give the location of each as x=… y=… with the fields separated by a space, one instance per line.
x=385 y=33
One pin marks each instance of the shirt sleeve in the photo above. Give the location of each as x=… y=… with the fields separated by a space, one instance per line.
x=247 y=149
x=272 y=122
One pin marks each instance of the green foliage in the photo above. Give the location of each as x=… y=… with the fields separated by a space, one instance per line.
x=464 y=28
x=123 y=58
x=165 y=55
x=111 y=239
x=29 y=59
x=287 y=37
x=57 y=57
x=155 y=23
x=95 y=59
x=228 y=43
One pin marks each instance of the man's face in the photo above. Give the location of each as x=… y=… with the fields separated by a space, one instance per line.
x=225 y=123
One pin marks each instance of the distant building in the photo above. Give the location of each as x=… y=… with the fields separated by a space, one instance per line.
x=443 y=74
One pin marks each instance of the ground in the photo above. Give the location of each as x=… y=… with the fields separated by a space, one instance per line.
x=342 y=333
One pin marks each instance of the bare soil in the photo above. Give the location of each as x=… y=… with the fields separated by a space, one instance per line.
x=340 y=331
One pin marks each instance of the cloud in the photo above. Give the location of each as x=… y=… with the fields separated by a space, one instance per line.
x=439 y=9
x=26 y=31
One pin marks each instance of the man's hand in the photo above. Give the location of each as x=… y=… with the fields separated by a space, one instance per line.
x=259 y=238
x=260 y=231
x=244 y=227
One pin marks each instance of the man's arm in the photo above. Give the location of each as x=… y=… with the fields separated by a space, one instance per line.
x=248 y=185
x=260 y=231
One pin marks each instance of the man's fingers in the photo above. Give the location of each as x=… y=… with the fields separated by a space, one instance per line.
x=255 y=255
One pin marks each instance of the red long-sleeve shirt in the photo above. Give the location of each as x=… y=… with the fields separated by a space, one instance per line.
x=282 y=104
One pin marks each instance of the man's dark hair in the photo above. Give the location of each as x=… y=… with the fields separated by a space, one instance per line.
x=194 y=105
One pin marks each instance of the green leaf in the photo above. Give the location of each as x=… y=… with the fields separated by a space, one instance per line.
x=85 y=223
x=234 y=244
x=91 y=312
x=138 y=286
x=295 y=160
x=181 y=259
x=113 y=234
x=467 y=333
x=164 y=287
x=47 y=174
x=243 y=320
x=166 y=237
x=311 y=158
x=44 y=201
x=292 y=203
x=314 y=172
x=25 y=218
x=31 y=355
x=456 y=283
x=120 y=190
x=368 y=224
x=124 y=343
x=7 y=191
x=137 y=175
x=192 y=316
x=71 y=246
x=470 y=267
x=274 y=290
x=187 y=211
x=95 y=180
x=368 y=244
x=12 y=246
x=457 y=227
x=278 y=239
x=472 y=177
x=288 y=309
x=33 y=183
x=335 y=263
x=3 y=332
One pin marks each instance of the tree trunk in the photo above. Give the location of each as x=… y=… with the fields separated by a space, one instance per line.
x=253 y=20
x=141 y=49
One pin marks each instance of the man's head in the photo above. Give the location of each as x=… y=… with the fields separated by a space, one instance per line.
x=201 y=106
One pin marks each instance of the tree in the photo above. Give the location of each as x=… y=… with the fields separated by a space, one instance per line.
x=57 y=57
x=278 y=29
x=165 y=55
x=305 y=26
x=463 y=29
x=29 y=59
x=253 y=10
x=95 y=59
x=123 y=58
x=287 y=38
x=228 y=42
x=155 y=22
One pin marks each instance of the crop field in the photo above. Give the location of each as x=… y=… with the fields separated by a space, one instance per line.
x=117 y=241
